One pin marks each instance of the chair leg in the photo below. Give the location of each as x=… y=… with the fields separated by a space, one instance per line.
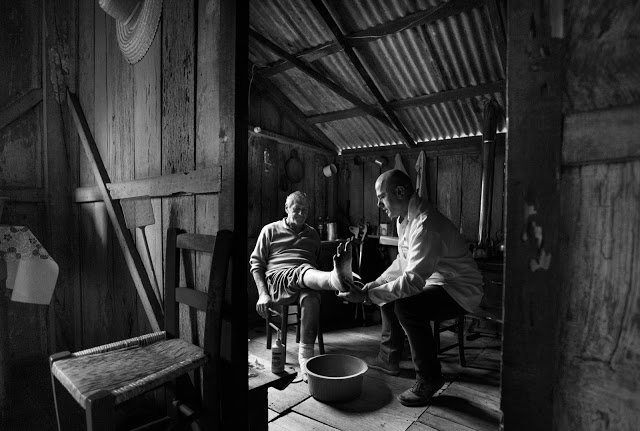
x=100 y=412
x=284 y=326
x=52 y=359
x=463 y=360
x=268 y=326
x=320 y=338
x=298 y=323
x=436 y=334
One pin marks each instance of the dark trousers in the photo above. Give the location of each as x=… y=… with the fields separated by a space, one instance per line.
x=413 y=316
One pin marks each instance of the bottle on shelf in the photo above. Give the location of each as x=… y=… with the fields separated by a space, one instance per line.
x=320 y=227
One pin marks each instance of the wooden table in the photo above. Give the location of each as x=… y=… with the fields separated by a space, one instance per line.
x=260 y=380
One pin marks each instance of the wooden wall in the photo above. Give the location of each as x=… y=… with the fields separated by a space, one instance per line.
x=570 y=341
x=599 y=335
x=22 y=151
x=166 y=114
x=454 y=183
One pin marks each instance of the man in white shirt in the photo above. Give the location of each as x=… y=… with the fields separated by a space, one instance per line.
x=434 y=277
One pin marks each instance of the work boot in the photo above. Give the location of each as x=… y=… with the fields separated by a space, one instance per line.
x=391 y=368
x=421 y=392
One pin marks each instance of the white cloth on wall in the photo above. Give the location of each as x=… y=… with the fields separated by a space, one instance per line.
x=398 y=164
x=421 y=176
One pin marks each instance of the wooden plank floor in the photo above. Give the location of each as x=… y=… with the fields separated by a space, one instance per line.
x=469 y=400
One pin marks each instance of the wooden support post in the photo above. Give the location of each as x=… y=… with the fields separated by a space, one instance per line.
x=150 y=303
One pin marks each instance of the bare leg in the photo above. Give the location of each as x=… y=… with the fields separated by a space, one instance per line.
x=310 y=313
x=340 y=279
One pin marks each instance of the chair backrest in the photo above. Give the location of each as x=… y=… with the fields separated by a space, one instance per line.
x=211 y=302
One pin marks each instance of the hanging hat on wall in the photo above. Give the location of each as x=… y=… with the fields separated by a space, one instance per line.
x=136 y=24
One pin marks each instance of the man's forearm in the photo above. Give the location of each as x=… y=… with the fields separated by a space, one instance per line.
x=261 y=282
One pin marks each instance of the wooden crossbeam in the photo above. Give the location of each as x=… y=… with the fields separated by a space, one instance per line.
x=145 y=291
x=20 y=107
x=439 y=12
x=355 y=60
x=497 y=28
x=426 y=100
x=194 y=182
x=448 y=96
x=293 y=112
x=322 y=79
x=287 y=140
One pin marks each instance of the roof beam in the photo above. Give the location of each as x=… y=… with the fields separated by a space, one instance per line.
x=498 y=30
x=447 y=96
x=294 y=113
x=440 y=12
x=304 y=67
x=333 y=26
x=422 y=101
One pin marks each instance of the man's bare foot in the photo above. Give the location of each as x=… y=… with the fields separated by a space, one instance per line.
x=341 y=277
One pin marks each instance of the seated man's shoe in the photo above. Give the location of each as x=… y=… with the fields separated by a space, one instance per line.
x=391 y=368
x=420 y=393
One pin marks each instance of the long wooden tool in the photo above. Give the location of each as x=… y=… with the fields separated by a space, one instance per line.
x=138 y=213
x=148 y=298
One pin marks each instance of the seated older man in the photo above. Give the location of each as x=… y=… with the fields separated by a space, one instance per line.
x=283 y=265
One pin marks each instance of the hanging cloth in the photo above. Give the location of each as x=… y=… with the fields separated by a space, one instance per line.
x=399 y=165
x=421 y=176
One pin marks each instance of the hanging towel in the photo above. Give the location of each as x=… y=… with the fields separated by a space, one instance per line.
x=421 y=176
x=399 y=165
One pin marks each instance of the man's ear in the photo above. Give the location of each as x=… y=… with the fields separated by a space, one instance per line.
x=400 y=192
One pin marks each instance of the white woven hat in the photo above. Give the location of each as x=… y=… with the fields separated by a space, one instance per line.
x=136 y=24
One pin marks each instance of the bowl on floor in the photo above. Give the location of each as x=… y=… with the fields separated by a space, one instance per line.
x=335 y=377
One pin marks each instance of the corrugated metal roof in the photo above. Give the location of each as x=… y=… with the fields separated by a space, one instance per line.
x=456 y=52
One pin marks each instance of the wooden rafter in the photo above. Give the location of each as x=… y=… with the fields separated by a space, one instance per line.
x=447 y=96
x=422 y=101
x=439 y=12
x=294 y=113
x=322 y=79
x=337 y=33
x=498 y=30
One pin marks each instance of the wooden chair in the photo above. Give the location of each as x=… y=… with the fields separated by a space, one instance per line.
x=101 y=378
x=458 y=327
x=282 y=313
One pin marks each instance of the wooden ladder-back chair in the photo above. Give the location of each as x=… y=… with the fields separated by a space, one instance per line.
x=101 y=378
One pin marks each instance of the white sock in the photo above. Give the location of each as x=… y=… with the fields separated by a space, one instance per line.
x=305 y=352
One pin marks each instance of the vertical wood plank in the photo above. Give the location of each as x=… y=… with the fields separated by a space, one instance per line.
x=270 y=175
x=121 y=168
x=497 y=207
x=309 y=182
x=449 y=183
x=320 y=188
x=254 y=215
x=356 y=192
x=148 y=163
x=470 y=191
x=60 y=165
x=178 y=113
x=534 y=110
x=370 y=202
x=432 y=182
x=600 y=341
x=96 y=274
x=87 y=212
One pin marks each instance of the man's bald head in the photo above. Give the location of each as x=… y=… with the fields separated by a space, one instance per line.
x=394 y=190
x=389 y=180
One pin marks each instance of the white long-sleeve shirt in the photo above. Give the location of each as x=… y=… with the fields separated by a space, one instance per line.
x=431 y=251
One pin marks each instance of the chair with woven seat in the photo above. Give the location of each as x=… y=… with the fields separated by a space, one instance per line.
x=102 y=378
